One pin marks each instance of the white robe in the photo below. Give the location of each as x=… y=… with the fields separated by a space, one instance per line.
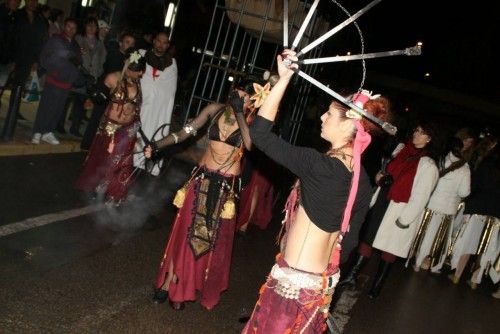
x=468 y=243
x=449 y=191
x=158 y=95
x=393 y=239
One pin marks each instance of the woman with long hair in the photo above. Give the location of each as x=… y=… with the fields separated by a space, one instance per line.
x=434 y=237
x=480 y=227
x=332 y=191
x=398 y=204
x=197 y=256
x=108 y=168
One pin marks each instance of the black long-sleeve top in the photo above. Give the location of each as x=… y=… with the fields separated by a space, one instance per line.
x=325 y=181
x=485 y=189
x=29 y=38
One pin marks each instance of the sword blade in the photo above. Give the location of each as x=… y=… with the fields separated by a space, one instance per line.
x=285 y=24
x=389 y=128
x=336 y=29
x=304 y=25
x=413 y=51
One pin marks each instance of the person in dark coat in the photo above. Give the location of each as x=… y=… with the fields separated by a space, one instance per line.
x=30 y=35
x=7 y=25
x=30 y=32
x=61 y=58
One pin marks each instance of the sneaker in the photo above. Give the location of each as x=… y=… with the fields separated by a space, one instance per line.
x=50 y=138
x=36 y=138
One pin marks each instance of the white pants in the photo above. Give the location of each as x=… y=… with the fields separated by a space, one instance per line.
x=427 y=242
x=468 y=242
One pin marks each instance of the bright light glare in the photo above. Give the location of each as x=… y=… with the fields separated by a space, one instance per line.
x=87 y=3
x=170 y=13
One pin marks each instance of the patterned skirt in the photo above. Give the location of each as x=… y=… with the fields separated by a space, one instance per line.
x=109 y=164
x=293 y=301
x=201 y=242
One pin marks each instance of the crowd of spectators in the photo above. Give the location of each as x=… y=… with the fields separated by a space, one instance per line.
x=66 y=55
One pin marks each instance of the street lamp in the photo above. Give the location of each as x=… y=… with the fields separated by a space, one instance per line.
x=87 y=3
x=170 y=16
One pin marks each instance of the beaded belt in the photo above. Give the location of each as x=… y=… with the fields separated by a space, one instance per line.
x=290 y=281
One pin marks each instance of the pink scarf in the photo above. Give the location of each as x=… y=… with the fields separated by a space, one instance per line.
x=361 y=142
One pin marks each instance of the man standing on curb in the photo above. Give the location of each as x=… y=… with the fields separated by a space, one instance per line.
x=60 y=58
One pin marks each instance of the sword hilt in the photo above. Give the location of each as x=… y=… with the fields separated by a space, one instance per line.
x=413 y=51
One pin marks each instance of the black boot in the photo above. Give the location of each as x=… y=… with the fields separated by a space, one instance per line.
x=378 y=281
x=349 y=282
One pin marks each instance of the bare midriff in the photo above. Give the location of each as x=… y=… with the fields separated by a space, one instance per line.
x=226 y=158
x=121 y=114
x=308 y=247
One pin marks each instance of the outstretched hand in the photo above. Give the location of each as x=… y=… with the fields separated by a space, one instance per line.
x=151 y=151
x=148 y=151
x=236 y=102
x=285 y=66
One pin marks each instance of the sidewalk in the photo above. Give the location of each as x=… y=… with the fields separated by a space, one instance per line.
x=21 y=145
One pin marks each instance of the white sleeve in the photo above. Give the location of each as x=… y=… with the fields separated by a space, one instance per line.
x=425 y=180
x=464 y=187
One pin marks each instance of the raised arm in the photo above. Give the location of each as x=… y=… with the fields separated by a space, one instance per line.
x=270 y=107
x=299 y=160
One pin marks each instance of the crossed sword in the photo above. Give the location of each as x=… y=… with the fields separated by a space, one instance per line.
x=411 y=51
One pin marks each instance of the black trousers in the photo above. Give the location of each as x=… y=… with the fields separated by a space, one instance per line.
x=77 y=111
x=50 y=109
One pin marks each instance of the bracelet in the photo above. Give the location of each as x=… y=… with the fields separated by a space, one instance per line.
x=189 y=129
x=176 y=137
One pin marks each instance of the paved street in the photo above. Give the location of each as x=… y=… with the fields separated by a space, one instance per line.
x=77 y=268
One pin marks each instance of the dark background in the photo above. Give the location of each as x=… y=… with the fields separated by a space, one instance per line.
x=459 y=51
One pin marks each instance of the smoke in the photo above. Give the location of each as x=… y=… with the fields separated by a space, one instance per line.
x=148 y=198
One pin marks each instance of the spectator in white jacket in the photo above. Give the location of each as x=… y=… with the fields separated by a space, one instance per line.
x=404 y=191
x=435 y=231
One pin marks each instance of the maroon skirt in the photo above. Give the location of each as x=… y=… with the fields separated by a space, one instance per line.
x=105 y=172
x=204 y=271
x=304 y=313
x=263 y=211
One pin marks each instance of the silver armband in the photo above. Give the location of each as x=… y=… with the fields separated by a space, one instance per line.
x=176 y=137
x=189 y=129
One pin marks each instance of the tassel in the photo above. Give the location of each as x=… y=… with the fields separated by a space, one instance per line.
x=180 y=196
x=111 y=146
x=229 y=210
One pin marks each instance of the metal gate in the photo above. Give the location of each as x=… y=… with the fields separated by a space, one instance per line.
x=240 y=44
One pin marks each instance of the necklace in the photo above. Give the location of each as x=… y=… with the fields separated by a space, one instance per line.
x=339 y=151
x=221 y=159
